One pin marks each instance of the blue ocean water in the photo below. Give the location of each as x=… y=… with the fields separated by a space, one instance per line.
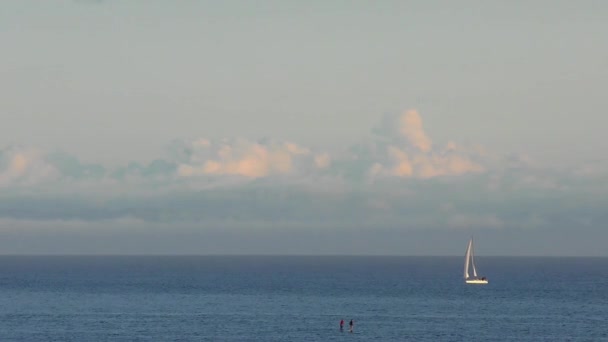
x=238 y=298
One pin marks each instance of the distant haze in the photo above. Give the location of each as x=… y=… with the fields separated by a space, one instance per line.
x=283 y=127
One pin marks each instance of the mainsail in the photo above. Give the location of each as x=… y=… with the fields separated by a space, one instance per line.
x=467 y=256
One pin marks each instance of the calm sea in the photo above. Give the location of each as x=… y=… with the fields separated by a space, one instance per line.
x=222 y=298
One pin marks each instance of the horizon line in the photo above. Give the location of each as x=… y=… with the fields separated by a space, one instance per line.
x=284 y=255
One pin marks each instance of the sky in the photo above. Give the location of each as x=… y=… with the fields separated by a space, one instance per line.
x=283 y=127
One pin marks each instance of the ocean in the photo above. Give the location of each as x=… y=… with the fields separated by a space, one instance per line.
x=300 y=298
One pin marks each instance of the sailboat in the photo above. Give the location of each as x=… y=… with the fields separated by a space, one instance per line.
x=469 y=258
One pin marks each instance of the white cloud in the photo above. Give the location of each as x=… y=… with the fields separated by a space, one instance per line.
x=24 y=167
x=241 y=157
x=402 y=166
x=322 y=160
x=398 y=180
x=408 y=152
x=401 y=149
x=410 y=126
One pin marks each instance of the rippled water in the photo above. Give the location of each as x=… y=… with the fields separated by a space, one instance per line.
x=219 y=298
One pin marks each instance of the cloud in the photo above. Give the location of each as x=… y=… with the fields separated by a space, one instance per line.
x=399 y=150
x=402 y=166
x=403 y=149
x=322 y=160
x=309 y=196
x=410 y=126
x=408 y=206
x=397 y=181
x=24 y=167
x=158 y=169
x=71 y=167
x=249 y=159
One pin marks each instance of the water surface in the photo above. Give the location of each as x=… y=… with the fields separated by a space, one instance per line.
x=223 y=298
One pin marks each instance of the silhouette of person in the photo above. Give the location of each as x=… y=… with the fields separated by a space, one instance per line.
x=341 y=324
x=351 y=324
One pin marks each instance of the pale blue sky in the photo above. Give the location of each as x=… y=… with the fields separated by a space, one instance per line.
x=118 y=80
x=182 y=126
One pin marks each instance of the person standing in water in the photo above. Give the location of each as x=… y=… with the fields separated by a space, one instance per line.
x=351 y=324
x=341 y=324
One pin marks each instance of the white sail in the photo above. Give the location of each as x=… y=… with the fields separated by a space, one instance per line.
x=473 y=259
x=470 y=258
x=467 y=256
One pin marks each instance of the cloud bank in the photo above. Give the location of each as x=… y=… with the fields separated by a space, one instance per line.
x=398 y=179
x=400 y=148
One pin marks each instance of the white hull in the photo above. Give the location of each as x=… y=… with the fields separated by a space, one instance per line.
x=476 y=281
